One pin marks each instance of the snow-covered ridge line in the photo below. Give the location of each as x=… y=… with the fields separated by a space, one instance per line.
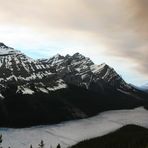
x=5 y=50
x=74 y=69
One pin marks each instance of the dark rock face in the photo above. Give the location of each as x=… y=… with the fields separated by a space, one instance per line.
x=77 y=70
x=81 y=71
x=58 y=89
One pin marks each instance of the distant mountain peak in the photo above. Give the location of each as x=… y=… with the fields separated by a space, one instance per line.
x=5 y=50
x=80 y=70
x=79 y=56
x=104 y=64
x=2 y=45
x=81 y=59
x=57 y=56
x=74 y=69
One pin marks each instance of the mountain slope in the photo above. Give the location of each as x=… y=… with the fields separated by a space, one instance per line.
x=129 y=136
x=58 y=89
x=77 y=70
x=19 y=69
x=81 y=71
x=144 y=87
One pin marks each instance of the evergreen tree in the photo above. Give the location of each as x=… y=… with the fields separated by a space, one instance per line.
x=146 y=146
x=1 y=141
x=58 y=146
x=41 y=145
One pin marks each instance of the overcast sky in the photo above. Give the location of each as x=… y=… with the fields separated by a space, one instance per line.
x=110 y=31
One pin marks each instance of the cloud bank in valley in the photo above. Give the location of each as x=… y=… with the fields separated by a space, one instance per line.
x=120 y=26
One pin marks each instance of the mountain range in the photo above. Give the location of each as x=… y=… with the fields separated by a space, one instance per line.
x=47 y=91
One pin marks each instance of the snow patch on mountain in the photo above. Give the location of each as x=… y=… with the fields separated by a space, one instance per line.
x=27 y=91
x=60 y=85
x=1 y=96
x=96 y=69
x=5 y=50
x=75 y=69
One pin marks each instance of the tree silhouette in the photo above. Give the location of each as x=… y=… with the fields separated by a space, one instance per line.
x=41 y=145
x=58 y=146
x=1 y=141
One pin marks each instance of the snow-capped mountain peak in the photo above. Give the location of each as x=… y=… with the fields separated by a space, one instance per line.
x=3 y=45
x=76 y=69
x=55 y=59
x=57 y=89
x=5 y=50
x=16 y=66
x=98 y=68
x=78 y=56
x=80 y=70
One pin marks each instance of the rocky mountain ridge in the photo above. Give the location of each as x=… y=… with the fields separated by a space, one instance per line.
x=47 y=91
x=59 y=70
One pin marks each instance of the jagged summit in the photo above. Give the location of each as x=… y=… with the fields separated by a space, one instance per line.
x=58 y=56
x=80 y=70
x=78 y=55
x=5 y=50
x=73 y=69
x=69 y=59
x=3 y=45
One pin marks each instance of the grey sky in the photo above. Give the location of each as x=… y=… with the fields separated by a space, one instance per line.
x=117 y=30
